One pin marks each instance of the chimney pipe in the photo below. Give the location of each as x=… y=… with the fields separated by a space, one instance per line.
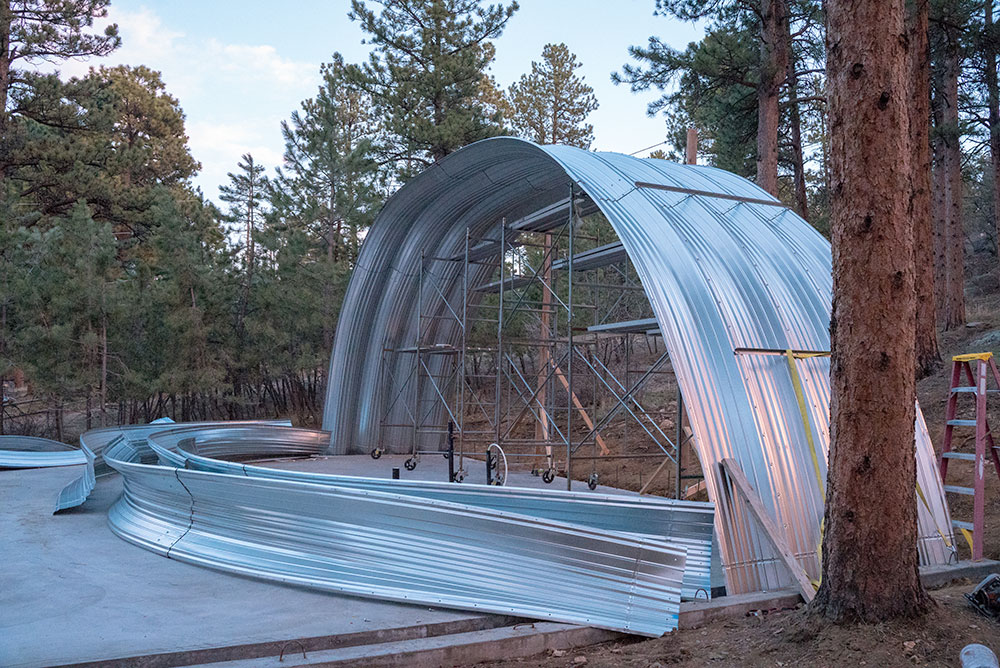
x=691 y=157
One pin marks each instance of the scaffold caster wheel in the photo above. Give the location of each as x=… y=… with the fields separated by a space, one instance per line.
x=592 y=481
x=376 y=453
x=410 y=463
x=459 y=476
x=548 y=475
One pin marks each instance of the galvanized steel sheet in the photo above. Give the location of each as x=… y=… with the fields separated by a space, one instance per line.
x=720 y=272
x=29 y=452
x=402 y=547
x=680 y=523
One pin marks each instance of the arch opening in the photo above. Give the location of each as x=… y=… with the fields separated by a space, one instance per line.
x=730 y=277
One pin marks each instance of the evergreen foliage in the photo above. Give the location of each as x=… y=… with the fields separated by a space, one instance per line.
x=425 y=73
x=550 y=105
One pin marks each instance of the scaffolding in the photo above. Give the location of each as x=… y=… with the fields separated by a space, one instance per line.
x=480 y=391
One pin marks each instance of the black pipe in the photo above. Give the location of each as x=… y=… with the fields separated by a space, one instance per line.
x=395 y=473
x=451 y=451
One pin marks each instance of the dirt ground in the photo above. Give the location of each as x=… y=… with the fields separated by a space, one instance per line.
x=796 y=638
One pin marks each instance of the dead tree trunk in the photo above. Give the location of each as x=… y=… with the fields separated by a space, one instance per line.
x=869 y=550
x=927 y=355
x=774 y=66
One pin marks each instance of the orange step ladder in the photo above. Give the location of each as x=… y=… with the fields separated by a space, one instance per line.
x=975 y=382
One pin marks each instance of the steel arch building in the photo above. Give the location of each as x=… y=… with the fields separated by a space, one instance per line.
x=727 y=269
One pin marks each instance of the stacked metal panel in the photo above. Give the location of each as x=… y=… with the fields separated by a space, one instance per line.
x=94 y=442
x=682 y=523
x=29 y=452
x=725 y=267
x=478 y=548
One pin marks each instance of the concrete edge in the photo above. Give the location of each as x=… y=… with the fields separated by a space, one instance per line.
x=292 y=645
x=938 y=576
x=464 y=649
x=698 y=613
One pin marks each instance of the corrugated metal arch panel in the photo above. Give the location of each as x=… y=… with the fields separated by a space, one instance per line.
x=719 y=274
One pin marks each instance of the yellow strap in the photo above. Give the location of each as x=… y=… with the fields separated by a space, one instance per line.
x=920 y=493
x=804 y=412
x=968 y=536
x=972 y=356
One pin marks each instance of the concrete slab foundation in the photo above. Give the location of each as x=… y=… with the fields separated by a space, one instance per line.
x=71 y=592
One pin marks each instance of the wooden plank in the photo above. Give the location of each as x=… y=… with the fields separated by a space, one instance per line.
x=732 y=469
x=583 y=413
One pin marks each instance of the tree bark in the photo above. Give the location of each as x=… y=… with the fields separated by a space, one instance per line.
x=927 y=355
x=953 y=313
x=774 y=66
x=939 y=218
x=993 y=100
x=869 y=550
x=798 y=161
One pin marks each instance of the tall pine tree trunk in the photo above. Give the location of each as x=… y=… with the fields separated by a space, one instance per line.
x=798 y=161
x=993 y=100
x=869 y=549
x=774 y=66
x=927 y=355
x=954 y=257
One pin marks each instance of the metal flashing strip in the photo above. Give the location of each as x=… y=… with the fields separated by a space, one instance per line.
x=384 y=543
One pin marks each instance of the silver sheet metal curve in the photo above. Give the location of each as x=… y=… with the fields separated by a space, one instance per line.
x=29 y=452
x=681 y=523
x=381 y=539
x=720 y=274
x=93 y=443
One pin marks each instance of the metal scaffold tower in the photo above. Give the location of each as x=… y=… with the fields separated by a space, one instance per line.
x=530 y=380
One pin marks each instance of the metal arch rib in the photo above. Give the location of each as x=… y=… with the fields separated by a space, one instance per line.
x=721 y=270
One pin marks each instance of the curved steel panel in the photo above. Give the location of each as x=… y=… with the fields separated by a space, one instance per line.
x=29 y=452
x=682 y=523
x=93 y=443
x=720 y=274
x=373 y=542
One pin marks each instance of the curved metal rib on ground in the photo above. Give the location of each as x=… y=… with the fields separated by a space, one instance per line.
x=398 y=547
x=682 y=523
x=94 y=442
x=727 y=269
x=30 y=452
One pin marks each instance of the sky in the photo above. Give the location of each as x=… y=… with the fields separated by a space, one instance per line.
x=239 y=68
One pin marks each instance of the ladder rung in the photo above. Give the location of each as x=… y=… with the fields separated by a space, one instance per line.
x=957 y=489
x=958 y=524
x=971 y=389
x=967 y=456
x=961 y=423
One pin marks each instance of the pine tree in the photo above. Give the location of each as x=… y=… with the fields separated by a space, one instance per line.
x=550 y=105
x=71 y=300
x=770 y=21
x=331 y=185
x=246 y=194
x=425 y=72
x=870 y=561
x=50 y=30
